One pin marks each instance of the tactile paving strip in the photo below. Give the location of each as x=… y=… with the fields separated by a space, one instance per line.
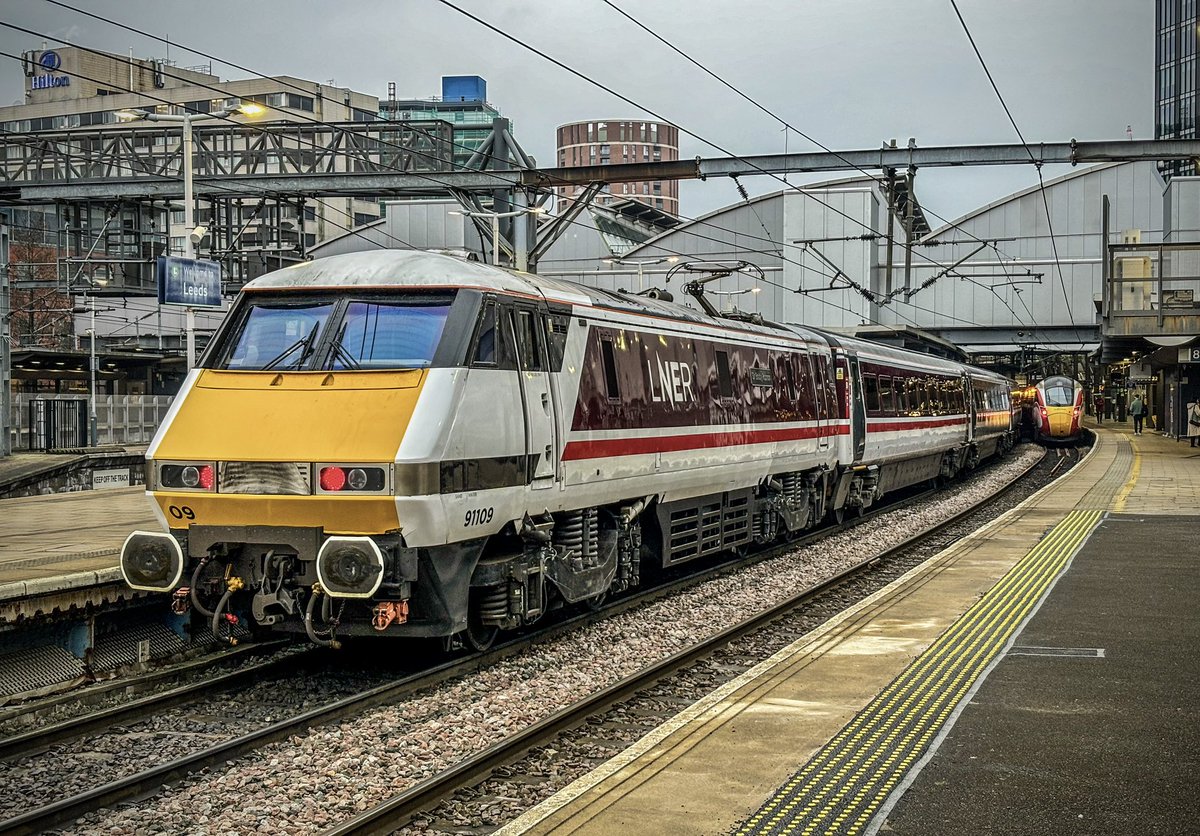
x=842 y=787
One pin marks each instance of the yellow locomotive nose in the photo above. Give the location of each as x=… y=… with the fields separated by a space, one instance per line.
x=278 y=427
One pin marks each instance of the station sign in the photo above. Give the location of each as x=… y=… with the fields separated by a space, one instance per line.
x=193 y=282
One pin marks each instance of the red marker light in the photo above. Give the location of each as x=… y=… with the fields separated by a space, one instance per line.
x=332 y=478
x=206 y=477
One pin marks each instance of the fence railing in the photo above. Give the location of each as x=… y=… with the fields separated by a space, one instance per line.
x=120 y=419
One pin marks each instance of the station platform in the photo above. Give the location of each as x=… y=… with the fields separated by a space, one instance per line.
x=1038 y=676
x=61 y=550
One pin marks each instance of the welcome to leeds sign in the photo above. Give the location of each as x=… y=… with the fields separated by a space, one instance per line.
x=195 y=283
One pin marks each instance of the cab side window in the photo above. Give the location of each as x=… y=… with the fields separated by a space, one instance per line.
x=529 y=341
x=488 y=337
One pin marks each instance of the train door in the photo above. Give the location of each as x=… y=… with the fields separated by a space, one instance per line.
x=969 y=403
x=533 y=372
x=825 y=410
x=858 y=410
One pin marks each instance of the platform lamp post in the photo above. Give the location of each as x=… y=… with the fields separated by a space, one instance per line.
x=195 y=234
x=5 y=347
x=641 y=263
x=89 y=307
x=521 y=252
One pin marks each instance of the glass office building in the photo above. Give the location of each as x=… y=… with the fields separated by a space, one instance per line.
x=1175 y=88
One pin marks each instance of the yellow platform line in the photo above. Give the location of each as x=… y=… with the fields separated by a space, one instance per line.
x=1119 y=502
x=842 y=782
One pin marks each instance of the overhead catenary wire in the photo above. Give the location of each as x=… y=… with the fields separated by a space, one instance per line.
x=1037 y=164
x=688 y=232
x=870 y=297
x=285 y=82
x=788 y=126
x=626 y=99
x=583 y=76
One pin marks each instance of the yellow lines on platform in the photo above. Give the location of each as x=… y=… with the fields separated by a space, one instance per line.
x=1135 y=470
x=844 y=785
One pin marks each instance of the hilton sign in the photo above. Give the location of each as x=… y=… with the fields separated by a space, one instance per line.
x=49 y=62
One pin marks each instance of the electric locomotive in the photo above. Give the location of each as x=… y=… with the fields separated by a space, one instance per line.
x=408 y=444
x=1058 y=410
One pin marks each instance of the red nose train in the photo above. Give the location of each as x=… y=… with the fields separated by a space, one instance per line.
x=1059 y=408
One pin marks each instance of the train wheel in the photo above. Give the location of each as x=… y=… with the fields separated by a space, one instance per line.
x=478 y=636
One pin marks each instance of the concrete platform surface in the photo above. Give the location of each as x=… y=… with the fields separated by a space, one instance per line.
x=1087 y=563
x=1089 y=723
x=47 y=537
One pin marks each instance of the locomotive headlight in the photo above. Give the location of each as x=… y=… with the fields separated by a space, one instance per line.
x=356 y=479
x=191 y=477
x=350 y=567
x=151 y=561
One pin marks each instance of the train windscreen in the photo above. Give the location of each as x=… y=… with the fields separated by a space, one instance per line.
x=1060 y=391
x=333 y=334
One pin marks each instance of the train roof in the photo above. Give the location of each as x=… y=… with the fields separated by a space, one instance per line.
x=404 y=269
x=891 y=353
x=417 y=268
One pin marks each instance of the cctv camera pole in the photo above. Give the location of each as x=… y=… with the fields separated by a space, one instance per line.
x=189 y=249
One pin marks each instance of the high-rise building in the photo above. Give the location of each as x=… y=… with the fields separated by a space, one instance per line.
x=621 y=141
x=1176 y=92
x=463 y=104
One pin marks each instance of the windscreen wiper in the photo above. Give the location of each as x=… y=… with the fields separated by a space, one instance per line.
x=340 y=352
x=307 y=343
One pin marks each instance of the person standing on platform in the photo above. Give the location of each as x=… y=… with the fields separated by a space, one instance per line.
x=1098 y=405
x=1193 y=424
x=1137 y=410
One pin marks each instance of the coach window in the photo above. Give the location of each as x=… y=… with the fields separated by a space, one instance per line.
x=826 y=394
x=609 y=361
x=789 y=376
x=871 y=390
x=724 y=378
x=885 y=395
x=804 y=389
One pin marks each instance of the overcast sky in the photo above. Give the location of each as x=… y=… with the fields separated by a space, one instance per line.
x=849 y=73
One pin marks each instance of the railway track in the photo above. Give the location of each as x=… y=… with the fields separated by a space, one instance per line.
x=423 y=796
x=402 y=808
